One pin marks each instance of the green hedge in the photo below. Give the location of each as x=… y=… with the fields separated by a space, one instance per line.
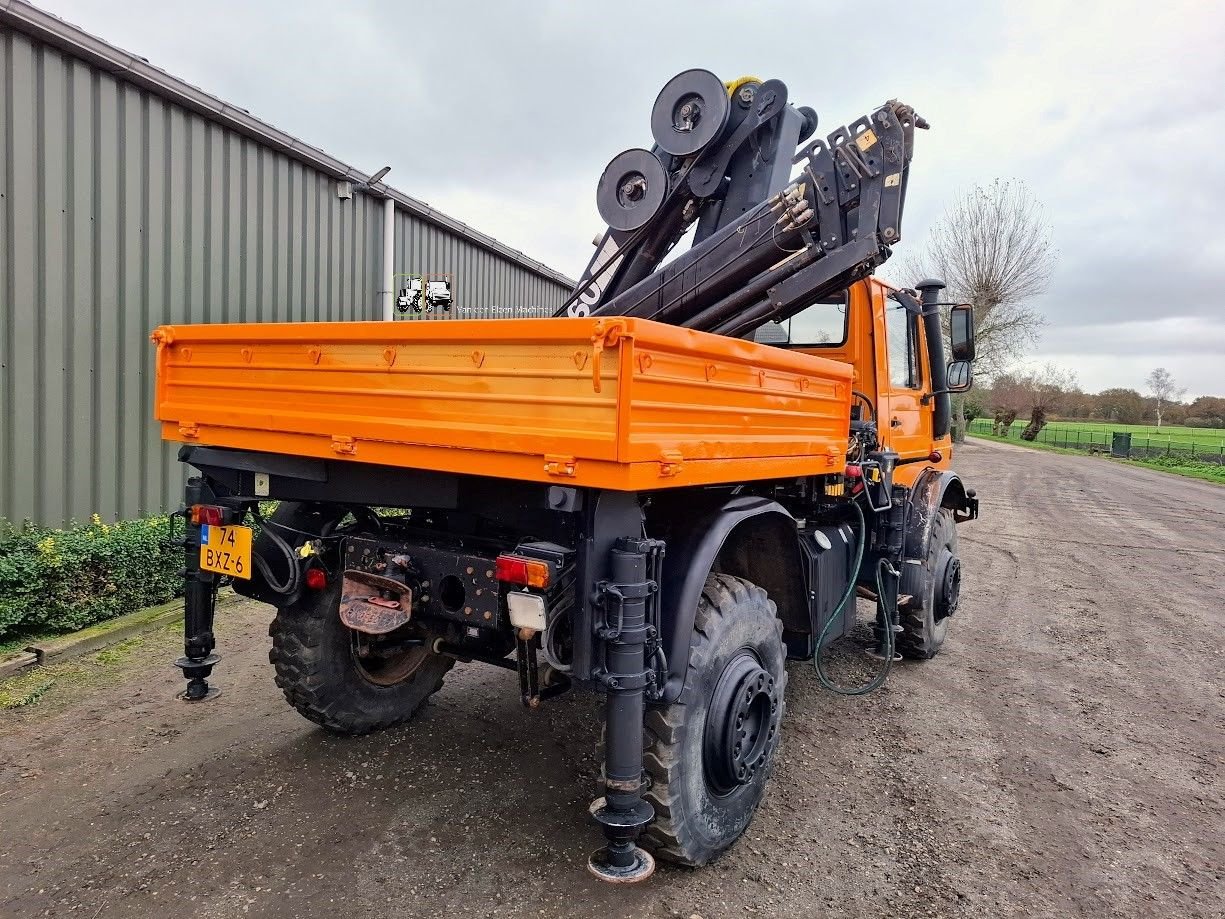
x=60 y=580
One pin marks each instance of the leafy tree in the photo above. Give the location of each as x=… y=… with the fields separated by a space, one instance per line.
x=1125 y=406
x=1206 y=412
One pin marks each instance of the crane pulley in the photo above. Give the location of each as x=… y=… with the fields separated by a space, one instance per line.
x=779 y=221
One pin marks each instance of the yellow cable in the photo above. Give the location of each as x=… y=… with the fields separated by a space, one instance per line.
x=735 y=84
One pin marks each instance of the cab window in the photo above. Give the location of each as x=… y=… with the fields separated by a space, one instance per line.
x=821 y=325
x=902 y=343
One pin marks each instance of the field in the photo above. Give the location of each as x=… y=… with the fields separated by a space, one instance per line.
x=1205 y=445
x=1175 y=432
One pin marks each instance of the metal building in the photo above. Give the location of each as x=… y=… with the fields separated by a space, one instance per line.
x=129 y=199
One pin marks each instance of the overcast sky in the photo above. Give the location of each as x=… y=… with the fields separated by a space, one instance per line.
x=504 y=115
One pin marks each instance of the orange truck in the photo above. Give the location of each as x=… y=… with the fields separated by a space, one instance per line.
x=662 y=494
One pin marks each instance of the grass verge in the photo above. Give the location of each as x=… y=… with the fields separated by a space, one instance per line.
x=1194 y=469
x=1017 y=442
x=1208 y=472
x=55 y=682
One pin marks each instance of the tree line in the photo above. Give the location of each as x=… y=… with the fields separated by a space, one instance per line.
x=1051 y=392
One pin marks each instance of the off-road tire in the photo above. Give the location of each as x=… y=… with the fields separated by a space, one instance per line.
x=692 y=824
x=922 y=633
x=312 y=651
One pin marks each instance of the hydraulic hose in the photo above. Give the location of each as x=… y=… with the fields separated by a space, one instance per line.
x=879 y=679
x=290 y=584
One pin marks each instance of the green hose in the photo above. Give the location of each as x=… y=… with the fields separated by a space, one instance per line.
x=877 y=681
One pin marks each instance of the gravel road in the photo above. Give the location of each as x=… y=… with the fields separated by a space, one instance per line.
x=1062 y=757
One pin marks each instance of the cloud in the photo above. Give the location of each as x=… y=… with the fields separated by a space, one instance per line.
x=505 y=114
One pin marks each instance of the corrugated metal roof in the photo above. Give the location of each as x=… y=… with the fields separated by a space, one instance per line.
x=45 y=27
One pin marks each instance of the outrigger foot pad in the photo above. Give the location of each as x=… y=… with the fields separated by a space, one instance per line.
x=199 y=691
x=621 y=862
x=626 y=865
x=880 y=657
x=197 y=671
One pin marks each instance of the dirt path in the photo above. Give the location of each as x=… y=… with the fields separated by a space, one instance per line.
x=1061 y=758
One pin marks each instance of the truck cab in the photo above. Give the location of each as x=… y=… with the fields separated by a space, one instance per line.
x=876 y=329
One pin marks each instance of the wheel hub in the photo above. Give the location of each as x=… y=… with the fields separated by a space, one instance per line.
x=741 y=724
x=948 y=587
x=631 y=190
x=386 y=660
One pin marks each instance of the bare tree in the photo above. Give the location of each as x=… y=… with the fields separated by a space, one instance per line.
x=1044 y=392
x=993 y=249
x=1009 y=397
x=1161 y=384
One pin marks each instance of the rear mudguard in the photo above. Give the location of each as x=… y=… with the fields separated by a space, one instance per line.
x=749 y=536
x=932 y=490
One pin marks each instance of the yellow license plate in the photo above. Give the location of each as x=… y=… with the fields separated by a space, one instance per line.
x=226 y=550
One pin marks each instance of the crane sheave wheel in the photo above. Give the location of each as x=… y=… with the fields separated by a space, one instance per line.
x=689 y=112
x=632 y=189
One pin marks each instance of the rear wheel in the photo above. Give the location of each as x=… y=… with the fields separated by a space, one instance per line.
x=341 y=679
x=710 y=753
x=347 y=682
x=934 y=587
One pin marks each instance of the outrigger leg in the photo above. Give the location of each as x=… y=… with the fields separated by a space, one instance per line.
x=199 y=602
x=623 y=813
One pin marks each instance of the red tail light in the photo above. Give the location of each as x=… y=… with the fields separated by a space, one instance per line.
x=316 y=578
x=207 y=515
x=514 y=569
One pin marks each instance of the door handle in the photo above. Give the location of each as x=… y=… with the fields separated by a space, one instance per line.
x=895 y=423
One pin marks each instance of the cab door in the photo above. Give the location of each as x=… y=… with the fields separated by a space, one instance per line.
x=905 y=423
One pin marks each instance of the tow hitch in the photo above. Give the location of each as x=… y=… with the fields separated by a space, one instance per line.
x=374 y=604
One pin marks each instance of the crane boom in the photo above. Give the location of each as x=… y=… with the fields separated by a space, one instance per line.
x=781 y=220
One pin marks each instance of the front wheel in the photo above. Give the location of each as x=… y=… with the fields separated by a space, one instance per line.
x=934 y=586
x=710 y=753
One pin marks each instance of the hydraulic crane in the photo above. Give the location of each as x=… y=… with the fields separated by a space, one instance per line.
x=765 y=244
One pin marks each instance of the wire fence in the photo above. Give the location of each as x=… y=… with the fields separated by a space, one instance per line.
x=1124 y=444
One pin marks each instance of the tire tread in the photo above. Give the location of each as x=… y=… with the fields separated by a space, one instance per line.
x=668 y=836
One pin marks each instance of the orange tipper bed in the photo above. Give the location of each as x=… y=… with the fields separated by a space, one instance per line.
x=614 y=403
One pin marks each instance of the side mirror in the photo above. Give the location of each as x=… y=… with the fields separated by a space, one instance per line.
x=960 y=376
x=961 y=332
